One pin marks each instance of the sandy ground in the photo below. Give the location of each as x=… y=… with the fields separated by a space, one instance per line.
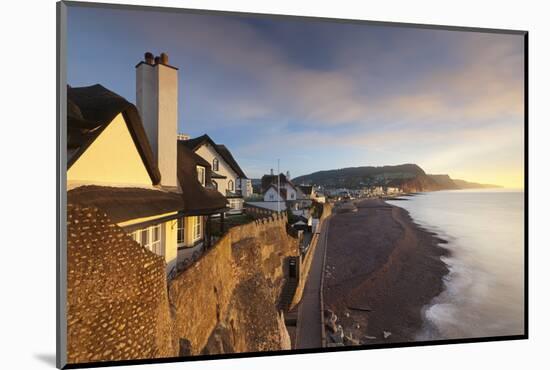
x=381 y=270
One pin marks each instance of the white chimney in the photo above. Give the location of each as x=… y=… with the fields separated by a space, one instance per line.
x=157 y=103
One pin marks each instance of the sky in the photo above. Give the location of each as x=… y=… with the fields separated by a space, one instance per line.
x=322 y=95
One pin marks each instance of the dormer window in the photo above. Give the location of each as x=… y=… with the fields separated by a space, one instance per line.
x=201 y=175
x=215 y=164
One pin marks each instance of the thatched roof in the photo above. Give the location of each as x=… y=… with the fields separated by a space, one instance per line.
x=123 y=204
x=222 y=150
x=198 y=199
x=90 y=110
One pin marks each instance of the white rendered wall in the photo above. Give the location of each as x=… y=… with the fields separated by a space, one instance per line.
x=157 y=103
x=245 y=186
x=208 y=153
x=271 y=195
x=290 y=192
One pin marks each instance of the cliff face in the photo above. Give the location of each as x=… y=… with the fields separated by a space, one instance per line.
x=119 y=306
x=438 y=182
x=417 y=184
x=228 y=302
x=444 y=182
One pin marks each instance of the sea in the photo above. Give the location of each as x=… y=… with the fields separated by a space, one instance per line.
x=483 y=293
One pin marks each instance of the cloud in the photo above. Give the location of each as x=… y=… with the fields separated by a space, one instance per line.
x=266 y=86
x=242 y=72
x=484 y=86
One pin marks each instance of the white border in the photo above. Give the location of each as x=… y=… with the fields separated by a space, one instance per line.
x=28 y=152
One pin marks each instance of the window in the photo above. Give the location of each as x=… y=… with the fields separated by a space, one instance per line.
x=292 y=195
x=156 y=246
x=135 y=236
x=201 y=174
x=197 y=228
x=150 y=238
x=145 y=238
x=235 y=204
x=215 y=184
x=230 y=185
x=215 y=164
x=181 y=230
x=271 y=196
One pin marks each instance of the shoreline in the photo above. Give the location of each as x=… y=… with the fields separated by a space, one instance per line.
x=382 y=269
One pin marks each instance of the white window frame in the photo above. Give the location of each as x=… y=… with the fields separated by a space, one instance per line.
x=234 y=204
x=230 y=185
x=156 y=240
x=180 y=229
x=201 y=175
x=197 y=228
x=151 y=238
x=215 y=164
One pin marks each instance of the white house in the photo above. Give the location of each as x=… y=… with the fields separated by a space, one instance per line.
x=392 y=190
x=272 y=195
x=227 y=176
x=376 y=191
x=245 y=186
x=270 y=184
x=125 y=160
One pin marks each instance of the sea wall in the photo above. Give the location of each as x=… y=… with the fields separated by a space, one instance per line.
x=227 y=302
x=120 y=307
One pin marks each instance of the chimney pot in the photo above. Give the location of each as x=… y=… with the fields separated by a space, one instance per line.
x=149 y=58
x=157 y=60
x=164 y=58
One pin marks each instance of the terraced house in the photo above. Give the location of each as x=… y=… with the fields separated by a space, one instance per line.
x=126 y=160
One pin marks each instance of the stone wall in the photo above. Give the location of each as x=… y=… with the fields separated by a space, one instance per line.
x=228 y=301
x=257 y=212
x=117 y=305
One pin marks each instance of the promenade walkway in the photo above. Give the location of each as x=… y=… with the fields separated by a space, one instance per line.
x=309 y=311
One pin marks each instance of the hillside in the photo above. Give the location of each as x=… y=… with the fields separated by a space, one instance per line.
x=409 y=177
x=462 y=184
x=357 y=177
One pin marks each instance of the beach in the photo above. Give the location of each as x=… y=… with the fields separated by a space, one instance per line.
x=381 y=270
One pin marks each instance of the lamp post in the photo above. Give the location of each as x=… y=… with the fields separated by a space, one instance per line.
x=278 y=185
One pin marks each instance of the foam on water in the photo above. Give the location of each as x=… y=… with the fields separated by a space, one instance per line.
x=483 y=292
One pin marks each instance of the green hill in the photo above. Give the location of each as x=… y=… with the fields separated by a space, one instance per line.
x=409 y=177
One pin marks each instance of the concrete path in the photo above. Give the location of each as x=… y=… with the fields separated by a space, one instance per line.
x=309 y=311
